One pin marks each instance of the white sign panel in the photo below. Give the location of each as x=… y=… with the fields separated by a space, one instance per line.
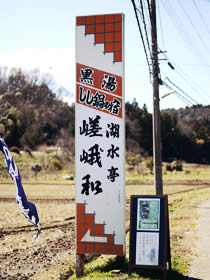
x=147 y=248
x=100 y=135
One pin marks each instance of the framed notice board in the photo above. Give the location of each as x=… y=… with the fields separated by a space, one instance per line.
x=149 y=233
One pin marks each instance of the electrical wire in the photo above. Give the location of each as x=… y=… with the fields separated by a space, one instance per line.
x=175 y=20
x=185 y=34
x=193 y=85
x=186 y=98
x=147 y=12
x=193 y=26
x=145 y=27
x=201 y=17
x=187 y=102
x=142 y=38
x=149 y=9
x=183 y=92
x=179 y=96
x=197 y=89
x=161 y=28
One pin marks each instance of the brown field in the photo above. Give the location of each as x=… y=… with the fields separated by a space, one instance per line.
x=21 y=256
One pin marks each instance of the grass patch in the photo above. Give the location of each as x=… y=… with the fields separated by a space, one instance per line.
x=182 y=213
x=57 y=167
x=108 y=268
x=183 y=224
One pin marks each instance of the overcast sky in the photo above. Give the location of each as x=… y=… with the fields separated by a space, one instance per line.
x=41 y=34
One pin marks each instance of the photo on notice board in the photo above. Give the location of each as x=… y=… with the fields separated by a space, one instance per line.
x=148 y=214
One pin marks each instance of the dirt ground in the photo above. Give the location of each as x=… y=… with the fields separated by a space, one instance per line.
x=20 y=255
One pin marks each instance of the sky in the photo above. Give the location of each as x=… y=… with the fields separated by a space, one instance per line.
x=40 y=34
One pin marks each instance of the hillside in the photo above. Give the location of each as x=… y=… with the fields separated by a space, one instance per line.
x=195 y=113
x=32 y=114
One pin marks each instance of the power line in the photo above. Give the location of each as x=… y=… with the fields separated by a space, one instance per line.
x=149 y=9
x=193 y=26
x=180 y=97
x=172 y=15
x=193 y=85
x=184 y=99
x=198 y=90
x=186 y=78
x=147 y=12
x=161 y=28
x=187 y=102
x=186 y=95
x=201 y=17
x=145 y=27
x=142 y=38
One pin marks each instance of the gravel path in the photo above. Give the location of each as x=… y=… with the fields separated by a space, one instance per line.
x=201 y=264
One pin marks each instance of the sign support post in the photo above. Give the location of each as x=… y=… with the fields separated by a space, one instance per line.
x=80 y=265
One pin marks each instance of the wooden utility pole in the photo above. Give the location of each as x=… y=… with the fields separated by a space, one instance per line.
x=157 y=147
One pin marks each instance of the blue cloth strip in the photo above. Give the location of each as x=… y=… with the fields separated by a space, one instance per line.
x=27 y=208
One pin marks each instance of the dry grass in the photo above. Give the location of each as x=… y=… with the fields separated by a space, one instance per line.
x=40 y=190
x=185 y=190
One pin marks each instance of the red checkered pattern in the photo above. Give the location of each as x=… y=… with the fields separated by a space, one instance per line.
x=85 y=223
x=107 y=30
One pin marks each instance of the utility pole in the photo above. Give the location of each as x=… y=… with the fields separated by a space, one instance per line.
x=157 y=147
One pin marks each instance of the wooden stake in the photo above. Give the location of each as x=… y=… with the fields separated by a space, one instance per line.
x=80 y=265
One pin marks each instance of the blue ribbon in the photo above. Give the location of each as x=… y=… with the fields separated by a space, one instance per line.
x=27 y=208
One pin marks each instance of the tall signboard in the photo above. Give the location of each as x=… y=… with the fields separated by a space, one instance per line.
x=100 y=135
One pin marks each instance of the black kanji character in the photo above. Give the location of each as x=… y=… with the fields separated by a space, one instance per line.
x=113 y=174
x=98 y=100
x=113 y=130
x=92 y=129
x=86 y=76
x=97 y=187
x=116 y=106
x=109 y=107
x=87 y=185
x=109 y=83
x=92 y=157
x=112 y=152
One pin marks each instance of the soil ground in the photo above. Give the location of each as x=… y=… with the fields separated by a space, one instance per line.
x=21 y=257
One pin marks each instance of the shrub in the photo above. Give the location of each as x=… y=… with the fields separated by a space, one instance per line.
x=57 y=164
x=133 y=161
x=28 y=150
x=178 y=166
x=149 y=164
x=36 y=168
x=15 y=149
x=169 y=167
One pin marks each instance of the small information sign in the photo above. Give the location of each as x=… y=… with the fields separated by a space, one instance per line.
x=149 y=233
